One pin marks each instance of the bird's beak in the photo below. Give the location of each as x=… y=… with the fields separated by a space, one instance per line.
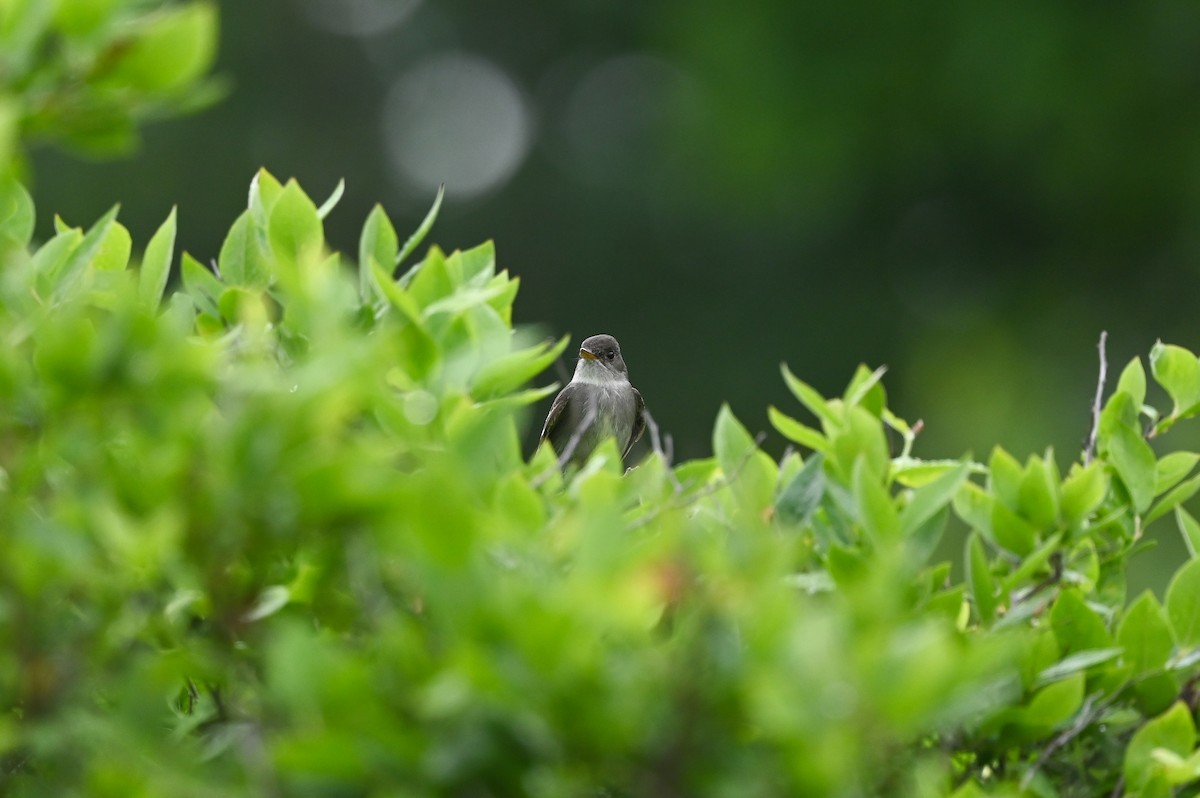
x=586 y=355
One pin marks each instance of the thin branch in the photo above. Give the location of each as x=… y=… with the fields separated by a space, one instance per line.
x=1090 y=451
x=665 y=452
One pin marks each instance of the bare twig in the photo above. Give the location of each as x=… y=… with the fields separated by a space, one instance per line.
x=665 y=452
x=1090 y=450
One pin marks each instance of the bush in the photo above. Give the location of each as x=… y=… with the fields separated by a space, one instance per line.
x=276 y=536
x=84 y=73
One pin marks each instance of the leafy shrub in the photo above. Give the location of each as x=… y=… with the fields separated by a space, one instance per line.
x=275 y=536
x=83 y=73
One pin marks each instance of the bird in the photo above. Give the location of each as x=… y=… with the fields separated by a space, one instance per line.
x=597 y=403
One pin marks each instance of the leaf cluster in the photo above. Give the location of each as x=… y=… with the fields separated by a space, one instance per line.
x=84 y=73
x=273 y=533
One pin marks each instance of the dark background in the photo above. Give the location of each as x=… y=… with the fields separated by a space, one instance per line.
x=968 y=194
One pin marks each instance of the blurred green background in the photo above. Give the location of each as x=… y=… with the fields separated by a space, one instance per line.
x=968 y=194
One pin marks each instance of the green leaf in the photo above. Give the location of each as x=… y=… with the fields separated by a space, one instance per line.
x=878 y=512
x=1178 y=371
x=1055 y=703
x=1011 y=531
x=169 y=49
x=156 y=263
x=331 y=203
x=294 y=228
x=201 y=284
x=1076 y=626
x=1122 y=444
x=60 y=282
x=1173 y=730
x=861 y=435
x=422 y=230
x=1183 y=603
x=913 y=473
x=979 y=578
x=1171 y=468
x=802 y=496
x=1083 y=491
x=1078 y=662
x=796 y=432
x=379 y=242
x=113 y=253
x=265 y=189
x=242 y=261
x=1189 y=527
x=1133 y=382
x=809 y=397
x=1175 y=497
x=1006 y=476
x=1145 y=634
x=513 y=370
x=866 y=390
x=16 y=215
x=1037 y=493
x=926 y=502
x=732 y=444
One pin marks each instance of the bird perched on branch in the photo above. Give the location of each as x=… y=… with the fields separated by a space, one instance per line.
x=599 y=402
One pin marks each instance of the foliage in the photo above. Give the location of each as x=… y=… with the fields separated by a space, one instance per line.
x=274 y=534
x=83 y=73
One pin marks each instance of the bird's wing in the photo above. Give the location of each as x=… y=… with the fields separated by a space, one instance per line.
x=639 y=421
x=556 y=411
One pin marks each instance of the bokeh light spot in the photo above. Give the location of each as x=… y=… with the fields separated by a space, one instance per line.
x=456 y=119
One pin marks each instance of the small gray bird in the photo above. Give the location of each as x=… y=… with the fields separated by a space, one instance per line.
x=598 y=402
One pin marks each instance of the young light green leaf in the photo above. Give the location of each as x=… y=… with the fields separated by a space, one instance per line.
x=378 y=241
x=865 y=389
x=331 y=203
x=1006 y=476
x=1055 y=703
x=928 y=501
x=809 y=397
x=156 y=263
x=171 y=49
x=1173 y=730
x=295 y=228
x=878 y=511
x=1175 y=497
x=113 y=253
x=1183 y=603
x=1171 y=468
x=979 y=578
x=16 y=214
x=1122 y=444
x=1189 y=527
x=1083 y=491
x=796 y=432
x=422 y=230
x=1145 y=634
x=60 y=281
x=242 y=261
x=1077 y=663
x=1076 y=626
x=201 y=284
x=1178 y=371
x=802 y=496
x=1037 y=493
x=508 y=372
x=1133 y=382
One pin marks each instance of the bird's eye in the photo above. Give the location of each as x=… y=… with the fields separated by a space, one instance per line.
x=610 y=354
